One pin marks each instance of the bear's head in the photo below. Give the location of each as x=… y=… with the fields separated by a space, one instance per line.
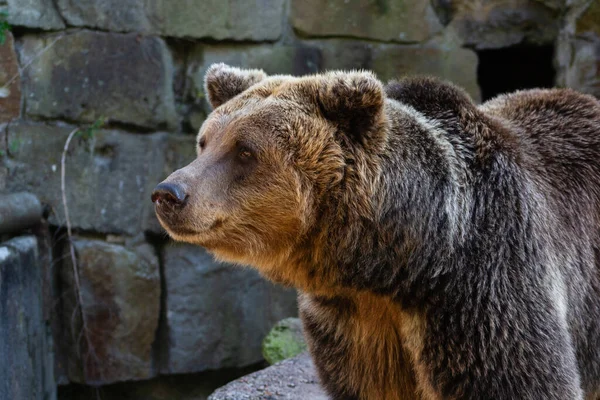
x=275 y=154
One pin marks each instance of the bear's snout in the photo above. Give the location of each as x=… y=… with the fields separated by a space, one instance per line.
x=170 y=194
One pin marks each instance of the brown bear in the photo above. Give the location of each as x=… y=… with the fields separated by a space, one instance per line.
x=442 y=250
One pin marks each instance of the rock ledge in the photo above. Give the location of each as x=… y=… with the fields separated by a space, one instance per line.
x=293 y=379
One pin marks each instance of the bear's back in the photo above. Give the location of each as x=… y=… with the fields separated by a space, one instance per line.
x=559 y=130
x=556 y=131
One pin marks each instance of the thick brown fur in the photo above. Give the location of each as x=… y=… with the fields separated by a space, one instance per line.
x=442 y=250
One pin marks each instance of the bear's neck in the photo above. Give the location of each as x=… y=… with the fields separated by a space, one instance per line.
x=393 y=220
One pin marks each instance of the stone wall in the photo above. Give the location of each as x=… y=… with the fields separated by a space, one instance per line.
x=25 y=344
x=152 y=308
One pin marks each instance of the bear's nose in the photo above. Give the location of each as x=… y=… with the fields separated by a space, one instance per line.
x=169 y=193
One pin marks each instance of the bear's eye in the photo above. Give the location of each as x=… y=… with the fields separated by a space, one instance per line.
x=245 y=154
x=202 y=142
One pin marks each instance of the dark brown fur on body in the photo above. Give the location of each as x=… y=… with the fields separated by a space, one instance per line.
x=443 y=250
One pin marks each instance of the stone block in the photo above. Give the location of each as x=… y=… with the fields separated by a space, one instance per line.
x=577 y=54
x=404 y=21
x=216 y=314
x=86 y=75
x=443 y=57
x=40 y=14
x=19 y=211
x=10 y=81
x=488 y=24
x=344 y=54
x=223 y=19
x=293 y=379
x=26 y=370
x=165 y=387
x=454 y=64
x=109 y=178
x=120 y=304
x=299 y=59
x=112 y=15
x=217 y=19
x=589 y=21
x=579 y=64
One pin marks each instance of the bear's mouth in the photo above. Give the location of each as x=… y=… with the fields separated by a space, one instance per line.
x=178 y=228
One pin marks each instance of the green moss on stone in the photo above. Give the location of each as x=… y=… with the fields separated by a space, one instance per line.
x=284 y=341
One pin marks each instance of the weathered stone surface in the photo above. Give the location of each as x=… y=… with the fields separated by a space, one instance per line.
x=286 y=340
x=216 y=314
x=443 y=57
x=19 y=211
x=579 y=64
x=120 y=304
x=218 y=19
x=10 y=81
x=109 y=179
x=398 y=21
x=4 y=152
x=554 y=4
x=34 y=14
x=112 y=15
x=273 y=59
x=180 y=150
x=165 y=387
x=293 y=379
x=223 y=19
x=86 y=75
x=492 y=23
x=345 y=54
x=26 y=367
x=565 y=5
x=589 y=22
x=457 y=65
x=577 y=54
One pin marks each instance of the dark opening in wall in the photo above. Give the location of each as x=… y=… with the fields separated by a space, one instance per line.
x=512 y=68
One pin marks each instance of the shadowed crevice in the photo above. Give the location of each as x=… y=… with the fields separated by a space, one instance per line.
x=514 y=68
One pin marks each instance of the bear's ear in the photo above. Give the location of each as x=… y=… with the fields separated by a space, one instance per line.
x=352 y=100
x=222 y=82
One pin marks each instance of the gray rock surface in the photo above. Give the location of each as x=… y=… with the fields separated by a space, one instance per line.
x=293 y=379
x=26 y=370
x=577 y=55
x=120 y=292
x=402 y=21
x=581 y=71
x=34 y=14
x=217 y=19
x=130 y=78
x=486 y=24
x=10 y=81
x=108 y=178
x=19 y=211
x=442 y=57
x=589 y=21
x=296 y=59
x=216 y=314
x=164 y=387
